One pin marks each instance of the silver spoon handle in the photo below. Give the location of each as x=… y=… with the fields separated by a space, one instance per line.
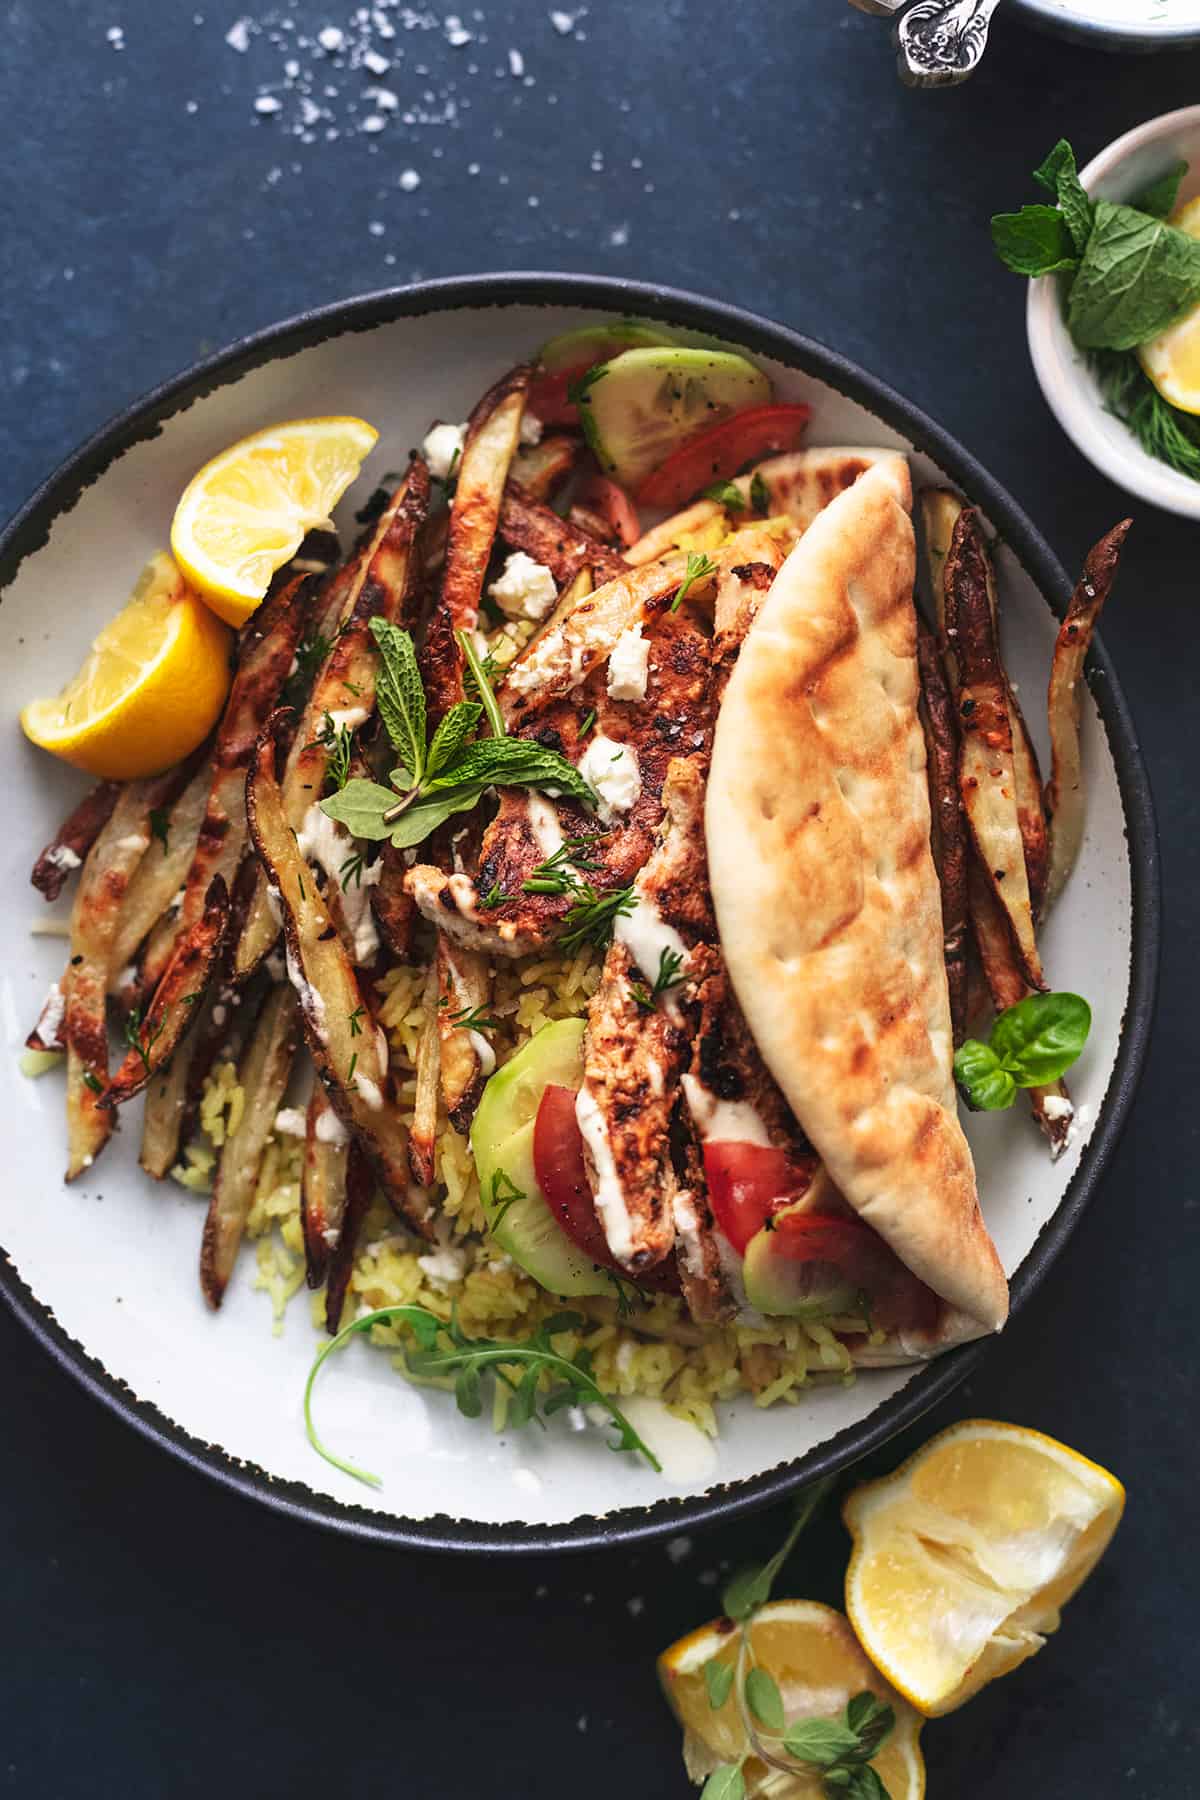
x=941 y=42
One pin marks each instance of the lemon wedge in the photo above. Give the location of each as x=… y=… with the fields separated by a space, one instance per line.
x=819 y=1667
x=151 y=689
x=963 y=1557
x=1172 y=359
x=246 y=512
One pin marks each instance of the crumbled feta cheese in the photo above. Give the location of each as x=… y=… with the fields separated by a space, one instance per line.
x=324 y=843
x=444 y=443
x=629 y=666
x=329 y=1128
x=526 y=589
x=349 y=716
x=49 y=1026
x=445 y=1267
x=135 y=841
x=63 y=857
x=370 y=1092
x=483 y=1050
x=290 y=1122
x=531 y=428
x=611 y=771
x=1055 y=1106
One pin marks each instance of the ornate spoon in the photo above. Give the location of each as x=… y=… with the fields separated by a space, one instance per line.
x=941 y=41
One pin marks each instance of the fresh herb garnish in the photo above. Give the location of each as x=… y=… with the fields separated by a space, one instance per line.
x=578 y=391
x=554 y=876
x=482 y=683
x=448 y=773
x=589 y=719
x=1171 y=436
x=669 y=964
x=593 y=915
x=338 y=743
x=351 y=870
x=504 y=1193
x=311 y=654
x=474 y=1018
x=135 y=1034
x=1031 y=1045
x=449 y=481
x=494 y=896
x=760 y=493
x=354 y=1021
x=351 y=1069
x=727 y=493
x=91 y=1081
x=160 y=826
x=444 y=1350
x=698 y=566
x=580 y=386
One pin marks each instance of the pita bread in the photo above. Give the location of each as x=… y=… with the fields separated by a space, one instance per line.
x=826 y=896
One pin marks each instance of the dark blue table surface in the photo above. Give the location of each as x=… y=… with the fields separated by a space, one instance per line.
x=164 y=1638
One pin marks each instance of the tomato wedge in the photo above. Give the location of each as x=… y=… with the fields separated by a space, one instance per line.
x=824 y=1251
x=748 y=1184
x=548 y=394
x=602 y=495
x=718 y=451
x=562 y=1176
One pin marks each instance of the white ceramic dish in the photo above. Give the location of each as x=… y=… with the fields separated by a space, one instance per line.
x=1124 y=169
x=1121 y=24
x=104 y=1272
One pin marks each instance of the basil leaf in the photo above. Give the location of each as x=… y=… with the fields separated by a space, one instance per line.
x=764 y=1699
x=360 y=807
x=1058 y=174
x=1160 y=197
x=451 y=735
x=425 y=815
x=978 y=1071
x=513 y=762
x=1039 y=1038
x=725 y=1783
x=1136 y=277
x=1034 y=241
x=718 y=1679
x=400 y=694
x=820 y=1741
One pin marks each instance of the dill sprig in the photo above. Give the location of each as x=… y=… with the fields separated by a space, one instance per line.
x=670 y=962
x=1163 y=432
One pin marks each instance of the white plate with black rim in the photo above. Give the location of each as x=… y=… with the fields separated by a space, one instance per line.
x=103 y=1273
x=1120 y=24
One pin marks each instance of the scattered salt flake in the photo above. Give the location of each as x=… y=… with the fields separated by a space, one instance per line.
x=267 y=103
x=581 y=1722
x=385 y=100
x=563 y=22
x=516 y=64
x=635 y=1605
x=331 y=39
x=456 y=32
x=409 y=180
x=709 y=1578
x=377 y=64
x=238 y=36
x=618 y=236
x=192 y=106
x=376 y=228
x=373 y=122
x=679 y=1549
x=540 y=1593
x=116 y=37
x=472 y=168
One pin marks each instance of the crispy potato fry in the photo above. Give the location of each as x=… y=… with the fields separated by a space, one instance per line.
x=161 y=874
x=463 y=986
x=563 y=548
x=351 y=1058
x=263 y=1074
x=73 y=839
x=381 y=585
x=395 y=911
x=422 y=1142
x=560 y=659
x=1064 y=790
x=360 y=1185
x=949 y=828
x=155 y=1036
x=661 y=538
x=165 y=1100
x=322 y=1184
x=539 y=468
x=491 y=443
x=986 y=773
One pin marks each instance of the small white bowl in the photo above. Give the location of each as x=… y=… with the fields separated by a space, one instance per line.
x=1124 y=169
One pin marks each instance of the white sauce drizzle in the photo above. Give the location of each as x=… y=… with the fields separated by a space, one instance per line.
x=483 y=1050
x=723 y=1121
x=610 y=1200
x=543 y=823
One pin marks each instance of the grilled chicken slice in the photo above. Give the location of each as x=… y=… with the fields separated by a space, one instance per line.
x=489 y=909
x=639 y=1032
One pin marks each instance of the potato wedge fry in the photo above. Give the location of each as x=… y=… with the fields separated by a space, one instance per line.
x=73 y=839
x=563 y=548
x=360 y=1185
x=161 y=874
x=1007 y=984
x=491 y=443
x=949 y=828
x=1064 y=790
x=464 y=985
x=422 y=1142
x=263 y=1073
x=110 y=867
x=986 y=773
x=560 y=659
x=395 y=911
x=155 y=1036
x=539 y=468
x=322 y=1184
x=380 y=586
x=351 y=1058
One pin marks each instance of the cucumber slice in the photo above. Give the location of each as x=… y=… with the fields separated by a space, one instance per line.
x=646 y=402
x=783 y=1288
x=502 y=1140
x=596 y=343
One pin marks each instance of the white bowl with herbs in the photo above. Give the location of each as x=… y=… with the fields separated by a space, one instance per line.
x=1113 y=316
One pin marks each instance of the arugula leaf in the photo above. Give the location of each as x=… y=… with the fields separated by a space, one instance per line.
x=728 y=493
x=1031 y=1045
x=360 y=807
x=764 y=1699
x=987 y=1085
x=1137 y=276
x=451 y=735
x=718 y=1679
x=1034 y=241
x=1057 y=174
x=725 y=1783
x=1159 y=198
x=401 y=695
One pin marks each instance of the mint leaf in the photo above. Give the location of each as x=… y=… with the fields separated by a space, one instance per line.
x=873 y=1720
x=400 y=695
x=512 y=762
x=725 y=1783
x=718 y=1679
x=1160 y=197
x=764 y=1699
x=862 y=1783
x=1058 y=174
x=1034 y=241
x=1137 y=276
x=1039 y=1038
x=978 y=1071
x=451 y=735
x=824 y=1742
x=424 y=816
x=360 y=807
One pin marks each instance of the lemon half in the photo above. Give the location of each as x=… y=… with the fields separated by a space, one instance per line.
x=1172 y=359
